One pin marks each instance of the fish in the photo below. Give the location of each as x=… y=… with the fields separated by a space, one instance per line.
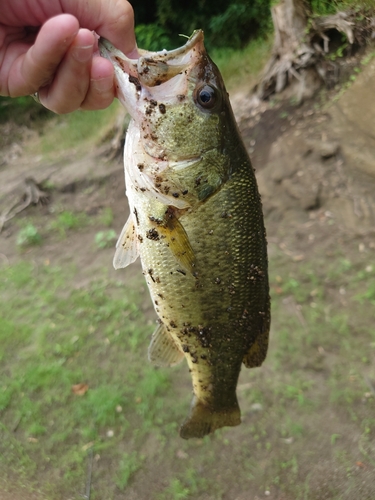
x=196 y=223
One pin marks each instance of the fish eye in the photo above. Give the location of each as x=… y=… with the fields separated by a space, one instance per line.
x=206 y=96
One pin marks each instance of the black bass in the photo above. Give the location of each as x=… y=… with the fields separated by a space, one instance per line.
x=196 y=222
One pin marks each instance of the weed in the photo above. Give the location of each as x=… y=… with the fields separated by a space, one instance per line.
x=368 y=58
x=64 y=132
x=340 y=52
x=106 y=217
x=51 y=337
x=105 y=239
x=67 y=220
x=302 y=408
x=29 y=235
x=175 y=491
x=194 y=481
x=368 y=295
x=245 y=64
x=129 y=464
x=334 y=438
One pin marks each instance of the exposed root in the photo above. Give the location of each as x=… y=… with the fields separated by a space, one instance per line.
x=32 y=194
x=301 y=45
x=340 y=22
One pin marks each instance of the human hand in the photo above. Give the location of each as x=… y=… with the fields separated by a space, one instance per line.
x=47 y=46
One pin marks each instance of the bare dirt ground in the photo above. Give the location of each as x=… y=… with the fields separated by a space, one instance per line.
x=315 y=164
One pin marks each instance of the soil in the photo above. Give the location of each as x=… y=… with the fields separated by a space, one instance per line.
x=314 y=164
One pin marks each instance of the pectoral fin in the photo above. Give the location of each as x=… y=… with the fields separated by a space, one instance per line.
x=178 y=242
x=163 y=350
x=127 y=247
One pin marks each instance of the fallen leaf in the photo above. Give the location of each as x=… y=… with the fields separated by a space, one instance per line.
x=80 y=389
x=360 y=464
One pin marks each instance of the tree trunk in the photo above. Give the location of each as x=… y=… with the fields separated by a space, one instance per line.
x=301 y=41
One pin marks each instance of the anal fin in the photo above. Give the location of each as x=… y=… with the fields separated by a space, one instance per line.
x=163 y=350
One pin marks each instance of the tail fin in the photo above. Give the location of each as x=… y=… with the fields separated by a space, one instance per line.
x=202 y=420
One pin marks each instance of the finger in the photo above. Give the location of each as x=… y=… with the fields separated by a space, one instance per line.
x=118 y=27
x=101 y=90
x=112 y=19
x=72 y=79
x=37 y=67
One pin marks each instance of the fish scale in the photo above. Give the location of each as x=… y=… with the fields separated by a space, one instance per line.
x=197 y=224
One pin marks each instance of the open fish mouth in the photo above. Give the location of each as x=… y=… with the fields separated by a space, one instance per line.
x=154 y=68
x=150 y=86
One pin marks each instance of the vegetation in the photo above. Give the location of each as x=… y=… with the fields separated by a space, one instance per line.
x=231 y=24
x=29 y=110
x=77 y=389
x=105 y=239
x=232 y=30
x=226 y=24
x=28 y=235
x=77 y=392
x=326 y=7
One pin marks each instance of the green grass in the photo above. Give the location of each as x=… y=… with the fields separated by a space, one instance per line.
x=67 y=220
x=33 y=232
x=28 y=236
x=309 y=403
x=61 y=133
x=129 y=464
x=106 y=217
x=239 y=66
x=48 y=337
x=105 y=239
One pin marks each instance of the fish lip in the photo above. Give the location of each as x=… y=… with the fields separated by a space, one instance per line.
x=117 y=58
x=137 y=79
x=196 y=38
x=132 y=65
x=106 y=49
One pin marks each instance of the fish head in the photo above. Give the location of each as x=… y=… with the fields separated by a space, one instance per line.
x=177 y=99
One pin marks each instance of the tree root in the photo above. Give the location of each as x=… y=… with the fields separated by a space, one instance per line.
x=301 y=45
x=32 y=194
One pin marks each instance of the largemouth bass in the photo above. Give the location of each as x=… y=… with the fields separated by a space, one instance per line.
x=196 y=222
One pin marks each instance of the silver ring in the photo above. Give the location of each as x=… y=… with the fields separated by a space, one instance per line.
x=35 y=96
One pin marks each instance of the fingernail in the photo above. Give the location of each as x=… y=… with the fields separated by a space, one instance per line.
x=103 y=84
x=83 y=54
x=133 y=54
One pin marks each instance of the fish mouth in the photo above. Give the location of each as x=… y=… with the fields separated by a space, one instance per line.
x=154 y=68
